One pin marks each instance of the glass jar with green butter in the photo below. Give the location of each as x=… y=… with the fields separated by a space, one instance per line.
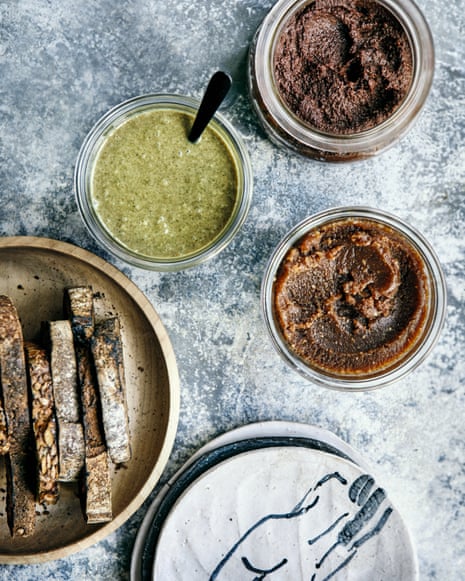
x=153 y=198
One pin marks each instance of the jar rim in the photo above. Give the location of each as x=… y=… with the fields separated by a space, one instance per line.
x=92 y=144
x=290 y=130
x=437 y=291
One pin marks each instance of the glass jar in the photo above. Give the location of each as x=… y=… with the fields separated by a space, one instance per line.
x=286 y=129
x=199 y=196
x=356 y=288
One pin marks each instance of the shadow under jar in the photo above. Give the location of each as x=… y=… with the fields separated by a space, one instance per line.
x=353 y=298
x=340 y=80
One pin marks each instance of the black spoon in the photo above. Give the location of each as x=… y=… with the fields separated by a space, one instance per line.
x=216 y=91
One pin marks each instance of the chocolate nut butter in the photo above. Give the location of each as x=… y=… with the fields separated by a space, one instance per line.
x=353 y=298
x=343 y=67
x=340 y=80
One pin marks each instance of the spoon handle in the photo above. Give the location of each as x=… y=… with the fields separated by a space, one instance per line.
x=216 y=91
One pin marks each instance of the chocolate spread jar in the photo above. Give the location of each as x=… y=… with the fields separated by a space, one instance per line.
x=354 y=298
x=338 y=80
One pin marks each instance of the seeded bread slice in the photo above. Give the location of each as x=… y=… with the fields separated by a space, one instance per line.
x=98 y=508
x=20 y=502
x=97 y=485
x=79 y=308
x=108 y=359
x=59 y=338
x=43 y=423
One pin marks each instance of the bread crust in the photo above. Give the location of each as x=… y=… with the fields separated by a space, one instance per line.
x=20 y=501
x=4 y=439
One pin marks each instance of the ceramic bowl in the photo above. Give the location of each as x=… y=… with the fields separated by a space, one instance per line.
x=34 y=274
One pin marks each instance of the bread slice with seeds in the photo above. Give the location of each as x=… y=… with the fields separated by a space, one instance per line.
x=97 y=503
x=58 y=337
x=108 y=359
x=20 y=501
x=44 y=425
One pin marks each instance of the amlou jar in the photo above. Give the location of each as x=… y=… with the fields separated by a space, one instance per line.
x=287 y=128
x=353 y=298
x=152 y=198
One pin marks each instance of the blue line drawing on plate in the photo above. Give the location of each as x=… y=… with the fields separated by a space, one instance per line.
x=352 y=531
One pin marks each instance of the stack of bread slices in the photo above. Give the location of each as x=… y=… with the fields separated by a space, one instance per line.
x=63 y=409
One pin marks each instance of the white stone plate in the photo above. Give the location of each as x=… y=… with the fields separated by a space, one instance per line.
x=222 y=500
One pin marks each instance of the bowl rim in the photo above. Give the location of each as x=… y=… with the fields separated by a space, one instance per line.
x=143 y=303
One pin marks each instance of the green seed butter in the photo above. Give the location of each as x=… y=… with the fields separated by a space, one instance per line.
x=158 y=194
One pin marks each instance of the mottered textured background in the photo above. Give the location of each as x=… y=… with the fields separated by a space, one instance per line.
x=63 y=63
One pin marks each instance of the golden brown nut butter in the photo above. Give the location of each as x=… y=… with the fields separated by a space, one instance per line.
x=351 y=297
